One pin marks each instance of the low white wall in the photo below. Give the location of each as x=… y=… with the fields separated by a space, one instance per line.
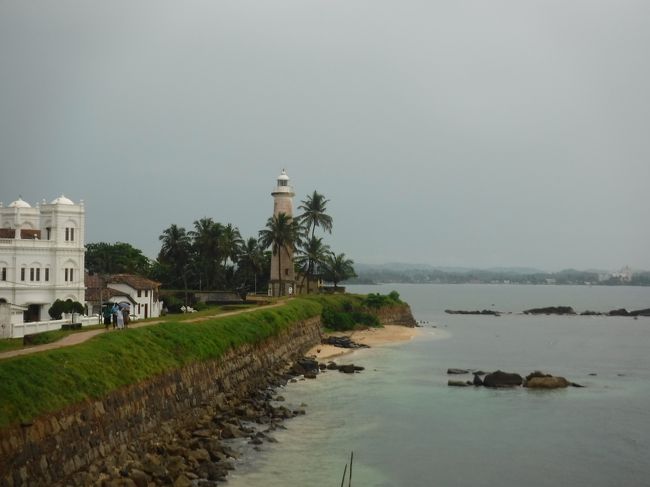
x=22 y=329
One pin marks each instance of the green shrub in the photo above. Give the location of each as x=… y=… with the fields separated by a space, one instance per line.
x=376 y=300
x=337 y=320
x=173 y=303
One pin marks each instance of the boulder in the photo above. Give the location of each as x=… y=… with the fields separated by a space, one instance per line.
x=618 y=312
x=502 y=379
x=547 y=383
x=457 y=383
x=477 y=380
x=537 y=373
x=457 y=371
x=551 y=310
x=640 y=312
x=347 y=369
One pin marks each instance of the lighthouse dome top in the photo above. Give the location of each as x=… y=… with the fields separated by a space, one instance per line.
x=20 y=203
x=62 y=200
x=283 y=187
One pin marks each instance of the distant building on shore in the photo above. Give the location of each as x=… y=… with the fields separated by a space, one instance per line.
x=283 y=203
x=41 y=256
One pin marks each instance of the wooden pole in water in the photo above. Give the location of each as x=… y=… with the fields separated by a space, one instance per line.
x=345 y=470
x=351 y=459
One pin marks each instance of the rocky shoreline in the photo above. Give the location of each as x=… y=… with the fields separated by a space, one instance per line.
x=202 y=452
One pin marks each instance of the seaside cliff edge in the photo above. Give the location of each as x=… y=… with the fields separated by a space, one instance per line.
x=65 y=409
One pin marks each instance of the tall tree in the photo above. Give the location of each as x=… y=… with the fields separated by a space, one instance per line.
x=206 y=243
x=120 y=257
x=230 y=243
x=281 y=231
x=338 y=268
x=314 y=214
x=250 y=263
x=176 y=251
x=313 y=254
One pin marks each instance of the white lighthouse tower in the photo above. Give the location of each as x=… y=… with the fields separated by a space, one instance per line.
x=283 y=203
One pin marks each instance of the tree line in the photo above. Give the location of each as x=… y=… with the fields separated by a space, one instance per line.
x=215 y=256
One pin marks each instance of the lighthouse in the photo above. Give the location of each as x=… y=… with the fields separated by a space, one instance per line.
x=283 y=203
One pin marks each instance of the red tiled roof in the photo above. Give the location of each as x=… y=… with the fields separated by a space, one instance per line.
x=136 y=282
x=92 y=294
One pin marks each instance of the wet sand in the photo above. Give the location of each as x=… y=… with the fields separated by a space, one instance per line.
x=372 y=337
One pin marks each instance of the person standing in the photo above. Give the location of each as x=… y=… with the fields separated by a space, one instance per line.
x=115 y=311
x=120 y=319
x=107 y=316
x=125 y=317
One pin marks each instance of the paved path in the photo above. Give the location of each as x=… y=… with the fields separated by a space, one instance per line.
x=76 y=338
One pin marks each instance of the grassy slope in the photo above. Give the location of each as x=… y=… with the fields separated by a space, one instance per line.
x=32 y=385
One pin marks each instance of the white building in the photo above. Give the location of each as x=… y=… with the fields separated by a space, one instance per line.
x=41 y=255
x=140 y=293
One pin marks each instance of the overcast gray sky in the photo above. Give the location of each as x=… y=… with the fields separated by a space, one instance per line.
x=473 y=133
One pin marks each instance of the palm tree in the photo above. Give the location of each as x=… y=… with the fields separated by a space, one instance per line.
x=251 y=261
x=230 y=243
x=337 y=268
x=175 y=251
x=313 y=254
x=313 y=215
x=281 y=232
x=206 y=240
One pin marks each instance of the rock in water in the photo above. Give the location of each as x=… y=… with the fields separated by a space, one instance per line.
x=457 y=383
x=502 y=379
x=457 y=371
x=547 y=383
x=477 y=380
x=551 y=310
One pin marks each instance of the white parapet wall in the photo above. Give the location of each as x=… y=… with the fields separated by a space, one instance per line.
x=21 y=329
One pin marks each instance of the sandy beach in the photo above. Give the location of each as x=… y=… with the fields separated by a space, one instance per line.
x=372 y=337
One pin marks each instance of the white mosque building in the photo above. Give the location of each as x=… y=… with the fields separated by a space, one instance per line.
x=41 y=256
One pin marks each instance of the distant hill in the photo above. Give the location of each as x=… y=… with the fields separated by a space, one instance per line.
x=397 y=272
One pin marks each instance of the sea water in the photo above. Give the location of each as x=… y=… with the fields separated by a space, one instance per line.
x=408 y=428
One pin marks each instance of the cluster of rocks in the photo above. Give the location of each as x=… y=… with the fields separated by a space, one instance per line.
x=475 y=312
x=309 y=368
x=500 y=379
x=201 y=454
x=343 y=342
x=568 y=310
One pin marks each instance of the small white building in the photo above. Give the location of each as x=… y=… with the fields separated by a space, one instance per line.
x=139 y=292
x=41 y=255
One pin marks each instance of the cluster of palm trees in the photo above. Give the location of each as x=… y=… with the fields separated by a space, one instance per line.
x=215 y=256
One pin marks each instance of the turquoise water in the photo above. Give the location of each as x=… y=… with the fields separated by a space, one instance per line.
x=407 y=428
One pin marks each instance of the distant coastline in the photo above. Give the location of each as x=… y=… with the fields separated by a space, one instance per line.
x=413 y=274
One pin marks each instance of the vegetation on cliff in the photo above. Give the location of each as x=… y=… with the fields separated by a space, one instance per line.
x=31 y=385
x=44 y=382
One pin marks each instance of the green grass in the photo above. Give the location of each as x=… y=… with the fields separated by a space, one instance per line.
x=7 y=344
x=39 y=383
x=47 y=381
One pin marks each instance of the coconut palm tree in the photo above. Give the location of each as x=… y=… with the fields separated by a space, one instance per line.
x=313 y=213
x=206 y=240
x=230 y=243
x=250 y=263
x=313 y=253
x=176 y=251
x=281 y=232
x=338 y=268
